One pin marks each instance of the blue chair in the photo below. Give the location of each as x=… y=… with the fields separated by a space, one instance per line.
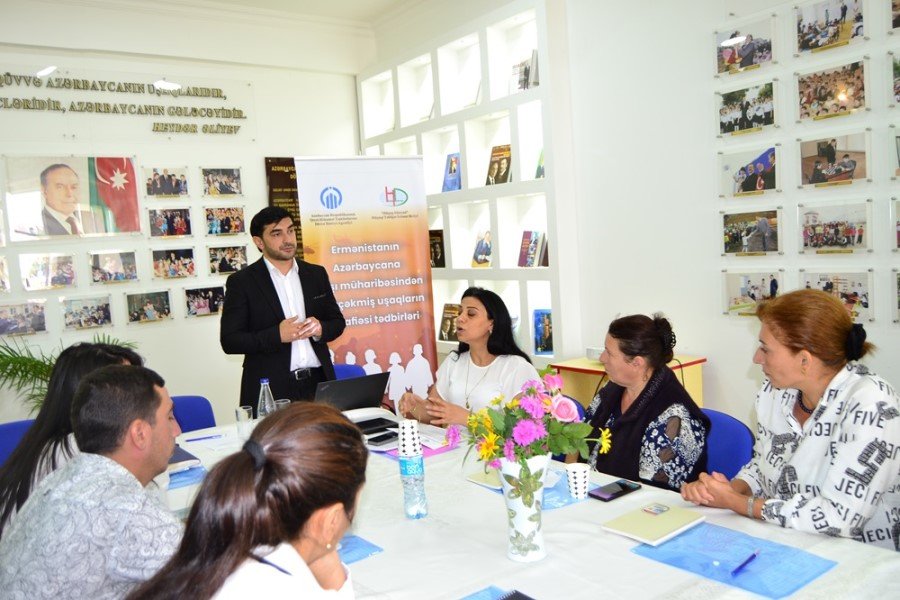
x=729 y=444
x=348 y=371
x=10 y=435
x=193 y=412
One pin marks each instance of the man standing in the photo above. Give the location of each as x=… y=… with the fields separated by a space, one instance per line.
x=280 y=313
x=60 y=189
x=90 y=529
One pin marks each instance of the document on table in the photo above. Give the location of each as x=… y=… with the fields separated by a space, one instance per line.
x=715 y=552
x=354 y=548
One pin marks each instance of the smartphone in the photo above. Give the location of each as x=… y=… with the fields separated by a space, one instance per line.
x=373 y=425
x=613 y=490
x=382 y=438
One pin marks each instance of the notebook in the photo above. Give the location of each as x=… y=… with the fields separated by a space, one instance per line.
x=654 y=523
x=182 y=460
x=355 y=392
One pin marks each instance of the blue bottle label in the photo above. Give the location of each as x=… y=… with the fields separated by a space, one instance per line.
x=412 y=465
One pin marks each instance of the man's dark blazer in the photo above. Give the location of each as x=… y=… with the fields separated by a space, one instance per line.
x=251 y=315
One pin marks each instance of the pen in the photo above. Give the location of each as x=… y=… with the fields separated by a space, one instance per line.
x=207 y=437
x=746 y=562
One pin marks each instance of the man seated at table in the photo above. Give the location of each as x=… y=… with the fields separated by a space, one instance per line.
x=91 y=530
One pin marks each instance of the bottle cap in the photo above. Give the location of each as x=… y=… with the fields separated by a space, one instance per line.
x=264 y=380
x=409 y=442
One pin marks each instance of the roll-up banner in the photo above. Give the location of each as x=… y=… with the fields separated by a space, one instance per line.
x=365 y=220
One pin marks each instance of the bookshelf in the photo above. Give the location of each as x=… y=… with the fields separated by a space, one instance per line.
x=462 y=94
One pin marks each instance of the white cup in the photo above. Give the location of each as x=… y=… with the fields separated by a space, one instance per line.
x=578 y=476
x=244 y=418
x=282 y=404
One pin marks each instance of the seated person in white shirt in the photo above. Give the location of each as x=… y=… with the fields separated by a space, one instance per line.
x=90 y=529
x=268 y=519
x=825 y=458
x=487 y=364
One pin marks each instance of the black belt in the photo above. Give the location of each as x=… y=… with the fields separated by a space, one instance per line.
x=301 y=374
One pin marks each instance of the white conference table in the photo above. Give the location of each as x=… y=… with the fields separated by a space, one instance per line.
x=460 y=547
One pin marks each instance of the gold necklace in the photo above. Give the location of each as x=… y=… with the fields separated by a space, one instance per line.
x=466 y=391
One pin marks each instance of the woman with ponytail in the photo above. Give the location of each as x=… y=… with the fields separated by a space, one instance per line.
x=658 y=432
x=268 y=519
x=827 y=453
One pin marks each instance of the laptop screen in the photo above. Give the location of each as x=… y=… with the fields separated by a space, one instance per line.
x=356 y=392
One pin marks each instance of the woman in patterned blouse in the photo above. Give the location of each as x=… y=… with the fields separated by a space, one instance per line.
x=658 y=433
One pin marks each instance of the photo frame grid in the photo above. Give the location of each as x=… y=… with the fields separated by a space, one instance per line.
x=835 y=227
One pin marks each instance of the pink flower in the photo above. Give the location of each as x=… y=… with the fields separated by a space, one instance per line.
x=553 y=382
x=564 y=410
x=452 y=436
x=527 y=431
x=508 y=448
x=533 y=405
x=494 y=464
x=532 y=387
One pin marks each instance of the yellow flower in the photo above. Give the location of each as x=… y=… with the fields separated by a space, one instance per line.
x=488 y=447
x=497 y=401
x=605 y=441
x=514 y=403
x=472 y=422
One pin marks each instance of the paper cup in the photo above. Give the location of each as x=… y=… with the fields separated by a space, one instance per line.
x=282 y=404
x=409 y=443
x=244 y=417
x=577 y=475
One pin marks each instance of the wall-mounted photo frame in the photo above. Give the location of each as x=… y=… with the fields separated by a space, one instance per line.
x=827 y=25
x=221 y=182
x=750 y=172
x=894 y=66
x=835 y=160
x=895 y=224
x=113 y=266
x=166 y=182
x=747 y=110
x=173 y=263
x=894 y=151
x=895 y=15
x=23 y=318
x=86 y=313
x=896 y=281
x=745 y=46
x=148 y=307
x=4 y=276
x=170 y=222
x=47 y=271
x=835 y=227
x=225 y=260
x=744 y=290
x=838 y=91
x=224 y=220
x=203 y=302
x=751 y=233
x=58 y=196
x=852 y=288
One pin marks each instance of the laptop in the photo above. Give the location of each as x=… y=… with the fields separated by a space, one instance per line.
x=352 y=393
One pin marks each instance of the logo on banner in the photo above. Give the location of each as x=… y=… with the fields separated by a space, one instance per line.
x=331 y=197
x=394 y=197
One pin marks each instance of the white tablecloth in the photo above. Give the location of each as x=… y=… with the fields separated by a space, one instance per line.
x=460 y=547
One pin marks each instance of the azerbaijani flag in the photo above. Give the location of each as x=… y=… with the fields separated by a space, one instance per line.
x=114 y=193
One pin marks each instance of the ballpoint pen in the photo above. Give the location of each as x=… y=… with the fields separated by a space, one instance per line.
x=207 y=437
x=746 y=562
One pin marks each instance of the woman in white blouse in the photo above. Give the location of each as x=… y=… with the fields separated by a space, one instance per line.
x=827 y=452
x=487 y=364
x=267 y=520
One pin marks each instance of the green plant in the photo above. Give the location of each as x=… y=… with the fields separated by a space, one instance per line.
x=26 y=370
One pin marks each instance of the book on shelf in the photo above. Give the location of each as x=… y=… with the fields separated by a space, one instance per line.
x=500 y=165
x=534 y=79
x=448 y=323
x=539 y=171
x=531 y=249
x=452 y=176
x=481 y=257
x=543 y=331
x=544 y=260
x=525 y=74
x=436 y=243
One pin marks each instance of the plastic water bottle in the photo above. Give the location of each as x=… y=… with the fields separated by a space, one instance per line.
x=412 y=474
x=266 y=404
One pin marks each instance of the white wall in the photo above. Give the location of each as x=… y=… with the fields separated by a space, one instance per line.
x=307 y=109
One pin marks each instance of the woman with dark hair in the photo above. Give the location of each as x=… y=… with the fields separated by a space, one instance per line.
x=49 y=443
x=268 y=519
x=487 y=364
x=825 y=458
x=658 y=433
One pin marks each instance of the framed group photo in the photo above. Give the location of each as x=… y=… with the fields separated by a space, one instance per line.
x=224 y=221
x=147 y=307
x=174 y=263
x=852 y=288
x=744 y=46
x=227 y=259
x=203 y=302
x=895 y=14
x=895 y=152
x=23 y=318
x=834 y=92
x=86 y=313
x=46 y=271
x=748 y=173
x=834 y=160
x=170 y=222
x=744 y=290
x=113 y=266
x=55 y=196
x=166 y=182
x=895 y=224
x=221 y=182
x=829 y=24
x=4 y=275
x=896 y=283
x=754 y=233
x=835 y=228
x=894 y=66
x=747 y=110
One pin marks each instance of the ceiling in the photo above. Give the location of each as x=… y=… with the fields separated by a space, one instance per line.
x=363 y=11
